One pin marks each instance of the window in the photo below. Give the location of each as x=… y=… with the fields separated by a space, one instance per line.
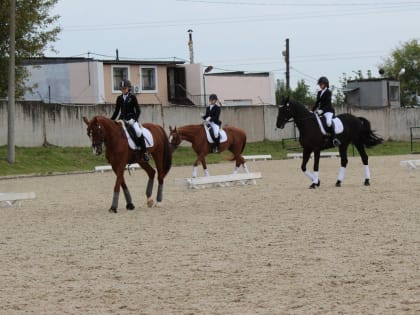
x=394 y=93
x=119 y=73
x=148 y=80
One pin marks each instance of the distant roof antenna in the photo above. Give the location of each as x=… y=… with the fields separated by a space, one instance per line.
x=116 y=55
x=190 y=45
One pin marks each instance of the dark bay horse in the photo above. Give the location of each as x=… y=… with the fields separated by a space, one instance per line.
x=103 y=130
x=357 y=131
x=236 y=140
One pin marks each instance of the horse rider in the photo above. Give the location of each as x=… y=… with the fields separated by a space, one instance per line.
x=128 y=109
x=323 y=107
x=211 y=118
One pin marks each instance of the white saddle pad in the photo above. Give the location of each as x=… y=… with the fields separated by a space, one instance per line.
x=148 y=137
x=222 y=135
x=338 y=125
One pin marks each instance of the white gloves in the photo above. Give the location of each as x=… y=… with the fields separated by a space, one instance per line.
x=319 y=111
x=208 y=119
x=131 y=121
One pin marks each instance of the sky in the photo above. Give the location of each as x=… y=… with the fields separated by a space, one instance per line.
x=327 y=37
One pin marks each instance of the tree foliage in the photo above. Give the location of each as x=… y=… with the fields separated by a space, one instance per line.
x=406 y=57
x=300 y=94
x=35 y=32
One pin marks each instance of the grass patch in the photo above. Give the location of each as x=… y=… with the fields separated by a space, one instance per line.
x=47 y=160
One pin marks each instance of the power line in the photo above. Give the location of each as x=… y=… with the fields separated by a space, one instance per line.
x=236 y=20
x=300 y=4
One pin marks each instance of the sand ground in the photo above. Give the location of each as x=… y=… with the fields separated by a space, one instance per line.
x=272 y=248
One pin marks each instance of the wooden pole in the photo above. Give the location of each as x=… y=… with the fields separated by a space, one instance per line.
x=11 y=92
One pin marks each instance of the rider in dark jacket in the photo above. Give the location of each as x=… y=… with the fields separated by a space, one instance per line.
x=324 y=107
x=128 y=109
x=211 y=117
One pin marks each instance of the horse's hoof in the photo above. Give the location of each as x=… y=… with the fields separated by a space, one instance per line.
x=338 y=183
x=130 y=206
x=158 y=205
x=150 y=202
x=313 y=185
x=367 y=183
x=113 y=210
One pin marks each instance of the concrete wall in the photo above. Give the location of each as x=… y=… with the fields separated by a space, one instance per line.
x=37 y=123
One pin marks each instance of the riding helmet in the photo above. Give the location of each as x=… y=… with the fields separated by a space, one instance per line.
x=324 y=80
x=213 y=97
x=125 y=84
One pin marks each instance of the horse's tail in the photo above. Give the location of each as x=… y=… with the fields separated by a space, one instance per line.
x=368 y=136
x=167 y=154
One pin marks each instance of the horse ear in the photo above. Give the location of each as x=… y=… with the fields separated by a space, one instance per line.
x=170 y=128
x=86 y=120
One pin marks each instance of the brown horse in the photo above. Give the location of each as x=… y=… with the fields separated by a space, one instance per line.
x=103 y=130
x=236 y=140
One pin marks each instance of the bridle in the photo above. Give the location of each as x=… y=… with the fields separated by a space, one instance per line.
x=97 y=128
x=175 y=145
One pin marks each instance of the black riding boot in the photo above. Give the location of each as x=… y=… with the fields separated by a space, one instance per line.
x=140 y=142
x=216 y=144
x=336 y=142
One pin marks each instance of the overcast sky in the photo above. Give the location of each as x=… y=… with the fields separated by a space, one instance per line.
x=327 y=37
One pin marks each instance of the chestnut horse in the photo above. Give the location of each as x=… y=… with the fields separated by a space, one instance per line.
x=236 y=140
x=103 y=130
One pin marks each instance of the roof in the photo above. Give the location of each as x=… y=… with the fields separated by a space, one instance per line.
x=239 y=73
x=372 y=80
x=143 y=62
x=58 y=60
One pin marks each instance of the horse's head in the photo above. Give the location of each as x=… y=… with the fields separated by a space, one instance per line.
x=285 y=113
x=174 y=138
x=96 y=134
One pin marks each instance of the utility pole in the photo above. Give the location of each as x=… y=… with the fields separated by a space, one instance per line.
x=287 y=59
x=11 y=92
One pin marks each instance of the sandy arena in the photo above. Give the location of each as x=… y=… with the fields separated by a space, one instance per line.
x=272 y=248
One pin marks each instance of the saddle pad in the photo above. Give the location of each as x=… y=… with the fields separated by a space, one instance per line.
x=148 y=137
x=222 y=135
x=338 y=125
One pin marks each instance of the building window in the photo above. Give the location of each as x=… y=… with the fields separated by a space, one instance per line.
x=119 y=73
x=394 y=93
x=148 y=79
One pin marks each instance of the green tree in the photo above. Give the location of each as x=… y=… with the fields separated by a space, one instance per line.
x=300 y=94
x=404 y=64
x=35 y=31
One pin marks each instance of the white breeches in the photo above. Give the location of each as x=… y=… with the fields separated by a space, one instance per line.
x=328 y=117
x=137 y=129
x=215 y=129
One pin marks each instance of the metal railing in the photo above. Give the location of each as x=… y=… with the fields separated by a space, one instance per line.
x=413 y=137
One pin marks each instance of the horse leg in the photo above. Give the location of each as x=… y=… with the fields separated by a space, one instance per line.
x=315 y=181
x=120 y=179
x=195 y=167
x=127 y=195
x=365 y=159
x=240 y=161
x=201 y=158
x=305 y=158
x=149 y=189
x=342 y=171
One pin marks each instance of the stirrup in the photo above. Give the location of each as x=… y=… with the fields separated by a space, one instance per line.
x=336 y=142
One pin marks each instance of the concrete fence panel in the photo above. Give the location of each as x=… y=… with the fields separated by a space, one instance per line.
x=37 y=124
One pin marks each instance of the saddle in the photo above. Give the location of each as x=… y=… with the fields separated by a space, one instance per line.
x=210 y=134
x=322 y=122
x=130 y=134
